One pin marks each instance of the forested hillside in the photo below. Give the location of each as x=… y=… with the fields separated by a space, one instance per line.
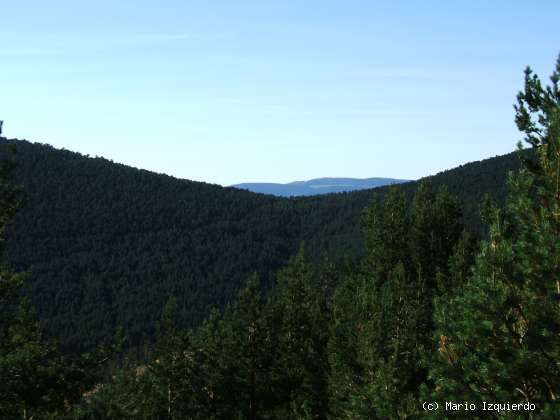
x=425 y=321
x=107 y=244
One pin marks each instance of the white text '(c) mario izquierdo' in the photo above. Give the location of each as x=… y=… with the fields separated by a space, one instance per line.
x=484 y=406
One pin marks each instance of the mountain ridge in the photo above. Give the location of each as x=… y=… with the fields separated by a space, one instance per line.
x=107 y=244
x=316 y=186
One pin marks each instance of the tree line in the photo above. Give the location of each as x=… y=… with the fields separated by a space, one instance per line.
x=106 y=244
x=428 y=313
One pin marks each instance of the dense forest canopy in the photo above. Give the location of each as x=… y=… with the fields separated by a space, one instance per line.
x=107 y=244
x=428 y=319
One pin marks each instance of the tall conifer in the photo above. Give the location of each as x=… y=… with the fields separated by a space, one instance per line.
x=500 y=335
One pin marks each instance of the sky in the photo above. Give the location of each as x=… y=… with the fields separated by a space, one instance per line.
x=273 y=91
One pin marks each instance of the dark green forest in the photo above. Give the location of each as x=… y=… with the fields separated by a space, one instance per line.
x=161 y=298
x=106 y=245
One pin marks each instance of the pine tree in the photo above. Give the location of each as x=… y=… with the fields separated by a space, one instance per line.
x=384 y=230
x=500 y=334
x=253 y=351
x=172 y=385
x=371 y=319
x=349 y=313
x=28 y=384
x=215 y=341
x=300 y=373
x=435 y=228
x=29 y=368
x=382 y=318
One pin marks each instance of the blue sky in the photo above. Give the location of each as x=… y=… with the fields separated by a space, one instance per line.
x=238 y=91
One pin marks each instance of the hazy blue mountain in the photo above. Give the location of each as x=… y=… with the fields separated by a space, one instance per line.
x=317 y=186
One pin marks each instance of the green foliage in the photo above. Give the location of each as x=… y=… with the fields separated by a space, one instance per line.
x=385 y=224
x=108 y=243
x=36 y=381
x=381 y=318
x=499 y=335
x=253 y=346
x=349 y=314
x=301 y=342
x=412 y=316
x=29 y=371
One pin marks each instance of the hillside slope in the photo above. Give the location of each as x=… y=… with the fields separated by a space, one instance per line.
x=107 y=244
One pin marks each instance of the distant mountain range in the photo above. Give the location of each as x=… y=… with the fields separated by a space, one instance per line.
x=317 y=186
